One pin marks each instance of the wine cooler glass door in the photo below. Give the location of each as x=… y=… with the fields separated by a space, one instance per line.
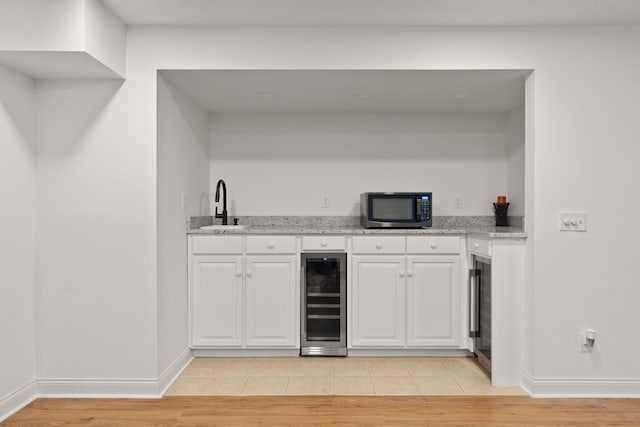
x=323 y=304
x=482 y=305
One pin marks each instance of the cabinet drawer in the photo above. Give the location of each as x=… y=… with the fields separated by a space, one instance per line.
x=479 y=246
x=271 y=244
x=433 y=244
x=217 y=244
x=378 y=245
x=323 y=243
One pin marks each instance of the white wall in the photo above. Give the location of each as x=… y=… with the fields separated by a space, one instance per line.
x=516 y=161
x=17 y=239
x=529 y=226
x=584 y=131
x=586 y=152
x=97 y=253
x=285 y=164
x=183 y=166
x=62 y=39
x=104 y=36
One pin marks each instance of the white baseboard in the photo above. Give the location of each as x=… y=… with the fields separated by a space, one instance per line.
x=88 y=388
x=407 y=352
x=174 y=370
x=578 y=387
x=17 y=400
x=114 y=388
x=244 y=352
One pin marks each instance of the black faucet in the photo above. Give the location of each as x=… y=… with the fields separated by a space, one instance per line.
x=223 y=215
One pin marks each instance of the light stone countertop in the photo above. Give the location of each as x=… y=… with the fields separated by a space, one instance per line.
x=295 y=226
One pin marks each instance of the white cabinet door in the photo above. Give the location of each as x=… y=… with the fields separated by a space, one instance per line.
x=216 y=316
x=271 y=301
x=378 y=301
x=433 y=301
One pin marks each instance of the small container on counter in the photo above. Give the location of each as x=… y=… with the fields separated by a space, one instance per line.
x=500 y=209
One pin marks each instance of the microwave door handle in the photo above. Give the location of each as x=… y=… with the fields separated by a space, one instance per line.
x=473 y=303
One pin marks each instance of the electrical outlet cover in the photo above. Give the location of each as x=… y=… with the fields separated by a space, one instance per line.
x=573 y=221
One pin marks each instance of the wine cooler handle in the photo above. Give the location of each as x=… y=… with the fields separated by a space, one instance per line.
x=473 y=304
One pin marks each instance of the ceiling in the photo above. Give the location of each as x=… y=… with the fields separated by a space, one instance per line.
x=377 y=12
x=344 y=91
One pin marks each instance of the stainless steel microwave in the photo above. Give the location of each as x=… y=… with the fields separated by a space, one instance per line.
x=395 y=210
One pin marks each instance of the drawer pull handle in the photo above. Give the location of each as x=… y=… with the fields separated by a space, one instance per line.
x=433 y=246
x=270 y=245
x=378 y=245
x=323 y=244
x=476 y=245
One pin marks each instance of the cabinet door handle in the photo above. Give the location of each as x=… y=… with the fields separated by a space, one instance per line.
x=402 y=274
x=249 y=274
x=476 y=245
x=238 y=273
x=410 y=273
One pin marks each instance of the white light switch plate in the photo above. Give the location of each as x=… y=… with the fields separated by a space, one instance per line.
x=573 y=221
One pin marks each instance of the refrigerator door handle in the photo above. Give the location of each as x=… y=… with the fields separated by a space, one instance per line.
x=473 y=303
x=303 y=305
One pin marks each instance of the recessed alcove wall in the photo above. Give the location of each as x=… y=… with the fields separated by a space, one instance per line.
x=314 y=139
x=286 y=164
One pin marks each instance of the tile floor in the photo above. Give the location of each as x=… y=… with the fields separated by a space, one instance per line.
x=335 y=376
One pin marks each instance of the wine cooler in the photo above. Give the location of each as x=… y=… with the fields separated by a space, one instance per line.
x=324 y=298
x=480 y=310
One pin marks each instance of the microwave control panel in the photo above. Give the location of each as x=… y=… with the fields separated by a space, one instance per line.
x=424 y=207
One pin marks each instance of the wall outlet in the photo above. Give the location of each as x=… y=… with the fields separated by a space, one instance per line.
x=325 y=202
x=582 y=344
x=586 y=341
x=573 y=221
x=458 y=203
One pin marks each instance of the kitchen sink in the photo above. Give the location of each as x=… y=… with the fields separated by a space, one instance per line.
x=223 y=227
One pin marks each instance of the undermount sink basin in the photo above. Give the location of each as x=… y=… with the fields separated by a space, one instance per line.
x=223 y=227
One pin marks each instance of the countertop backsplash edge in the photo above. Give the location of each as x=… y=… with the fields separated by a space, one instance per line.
x=480 y=226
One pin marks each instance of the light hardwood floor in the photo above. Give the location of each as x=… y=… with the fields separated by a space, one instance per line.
x=476 y=411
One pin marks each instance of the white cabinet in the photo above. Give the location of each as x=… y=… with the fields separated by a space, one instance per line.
x=378 y=245
x=216 y=314
x=243 y=301
x=404 y=292
x=406 y=301
x=271 y=301
x=378 y=300
x=433 y=301
x=482 y=247
x=271 y=244
x=323 y=243
x=507 y=299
